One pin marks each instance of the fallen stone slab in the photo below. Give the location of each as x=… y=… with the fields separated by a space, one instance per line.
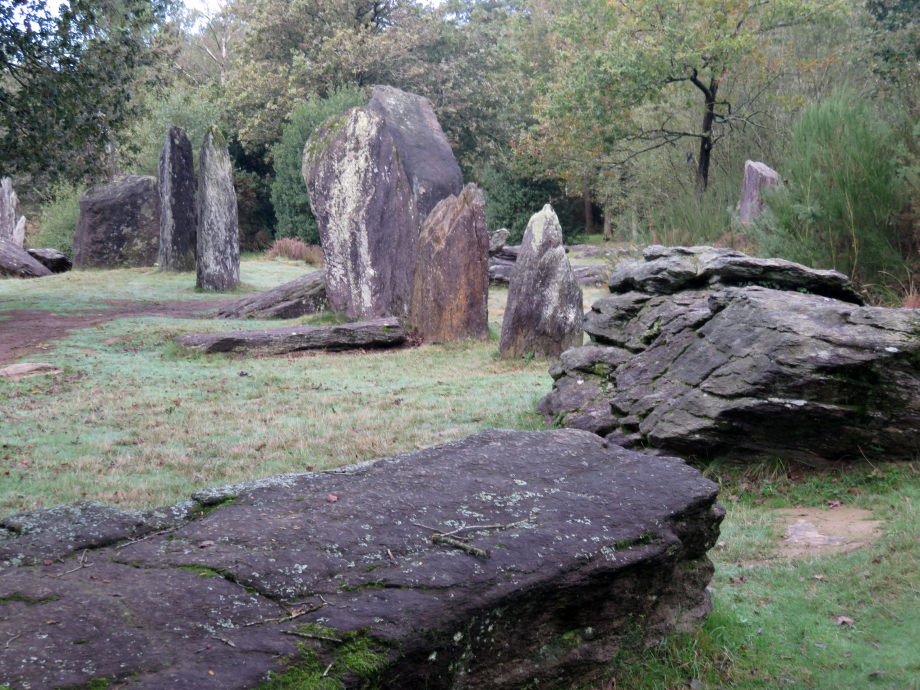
x=278 y=341
x=501 y=561
x=16 y=261
x=301 y=297
x=52 y=259
x=27 y=370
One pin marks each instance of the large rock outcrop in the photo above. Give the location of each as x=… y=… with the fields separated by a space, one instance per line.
x=367 y=215
x=119 y=224
x=178 y=213
x=218 y=241
x=503 y=561
x=424 y=151
x=300 y=297
x=450 y=301
x=12 y=224
x=543 y=314
x=721 y=359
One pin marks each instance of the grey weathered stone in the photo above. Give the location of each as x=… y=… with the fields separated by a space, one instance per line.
x=16 y=261
x=218 y=242
x=278 y=341
x=600 y=548
x=178 y=212
x=497 y=240
x=424 y=152
x=757 y=176
x=366 y=212
x=12 y=224
x=300 y=297
x=543 y=314
x=451 y=294
x=500 y=271
x=119 y=224
x=52 y=259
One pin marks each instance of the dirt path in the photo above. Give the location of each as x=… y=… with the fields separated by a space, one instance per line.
x=30 y=331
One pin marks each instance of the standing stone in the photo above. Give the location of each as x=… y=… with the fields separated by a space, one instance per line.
x=119 y=225
x=12 y=225
x=424 y=151
x=451 y=294
x=544 y=311
x=367 y=215
x=178 y=215
x=218 y=256
x=757 y=176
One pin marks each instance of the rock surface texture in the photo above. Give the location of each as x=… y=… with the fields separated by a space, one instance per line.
x=424 y=151
x=218 y=242
x=16 y=261
x=544 y=311
x=12 y=224
x=119 y=225
x=178 y=213
x=302 y=296
x=786 y=362
x=757 y=177
x=367 y=215
x=451 y=294
x=570 y=549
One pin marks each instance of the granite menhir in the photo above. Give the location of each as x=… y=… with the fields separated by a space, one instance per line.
x=506 y=560
x=218 y=241
x=178 y=214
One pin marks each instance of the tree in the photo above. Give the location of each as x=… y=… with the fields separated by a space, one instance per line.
x=626 y=89
x=66 y=80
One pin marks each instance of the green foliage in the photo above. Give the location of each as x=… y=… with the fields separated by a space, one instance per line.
x=837 y=209
x=289 y=195
x=58 y=218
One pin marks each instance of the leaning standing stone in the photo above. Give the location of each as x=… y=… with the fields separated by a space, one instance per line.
x=451 y=294
x=12 y=225
x=218 y=258
x=367 y=215
x=757 y=177
x=178 y=215
x=544 y=311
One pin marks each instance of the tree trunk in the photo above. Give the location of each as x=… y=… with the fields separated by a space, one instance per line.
x=702 y=171
x=589 y=219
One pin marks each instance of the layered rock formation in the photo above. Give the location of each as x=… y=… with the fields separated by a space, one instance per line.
x=503 y=560
x=119 y=225
x=543 y=314
x=701 y=351
x=178 y=213
x=218 y=239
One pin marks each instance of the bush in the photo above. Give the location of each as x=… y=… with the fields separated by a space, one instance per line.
x=58 y=218
x=295 y=250
x=289 y=194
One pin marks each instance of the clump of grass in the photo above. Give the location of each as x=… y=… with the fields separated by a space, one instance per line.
x=295 y=250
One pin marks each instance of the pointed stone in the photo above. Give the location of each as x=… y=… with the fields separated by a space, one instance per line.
x=218 y=246
x=451 y=294
x=544 y=313
x=757 y=177
x=178 y=215
x=12 y=225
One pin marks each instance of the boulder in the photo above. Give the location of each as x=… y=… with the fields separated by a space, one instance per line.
x=451 y=294
x=218 y=241
x=745 y=370
x=301 y=297
x=367 y=215
x=497 y=240
x=119 y=224
x=178 y=213
x=52 y=259
x=757 y=176
x=506 y=560
x=543 y=314
x=12 y=224
x=16 y=261
x=424 y=152
x=278 y=341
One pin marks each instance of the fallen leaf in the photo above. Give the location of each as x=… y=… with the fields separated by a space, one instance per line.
x=47 y=562
x=843 y=620
x=205 y=544
x=106 y=581
x=834 y=504
x=332 y=498
x=875 y=674
x=210 y=673
x=720 y=544
x=848 y=655
x=819 y=577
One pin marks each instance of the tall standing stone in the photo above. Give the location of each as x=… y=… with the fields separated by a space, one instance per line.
x=757 y=176
x=424 y=151
x=178 y=215
x=544 y=312
x=218 y=255
x=119 y=224
x=367 y=215
x=451 y=294
x=12 y=225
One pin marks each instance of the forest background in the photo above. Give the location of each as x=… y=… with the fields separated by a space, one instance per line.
x=632 y=117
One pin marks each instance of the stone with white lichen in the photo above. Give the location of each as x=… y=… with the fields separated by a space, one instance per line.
x=218 y=242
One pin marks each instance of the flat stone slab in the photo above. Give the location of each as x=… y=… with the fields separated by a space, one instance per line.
x=504 y=560
x=26 y=370
x=278 y=341
x=300 y=297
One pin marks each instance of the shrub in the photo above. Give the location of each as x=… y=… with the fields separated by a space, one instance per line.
x=58 y=218
x=289 y=248
x=289 y=194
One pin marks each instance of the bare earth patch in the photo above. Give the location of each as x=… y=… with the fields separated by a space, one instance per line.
x=816 y=531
